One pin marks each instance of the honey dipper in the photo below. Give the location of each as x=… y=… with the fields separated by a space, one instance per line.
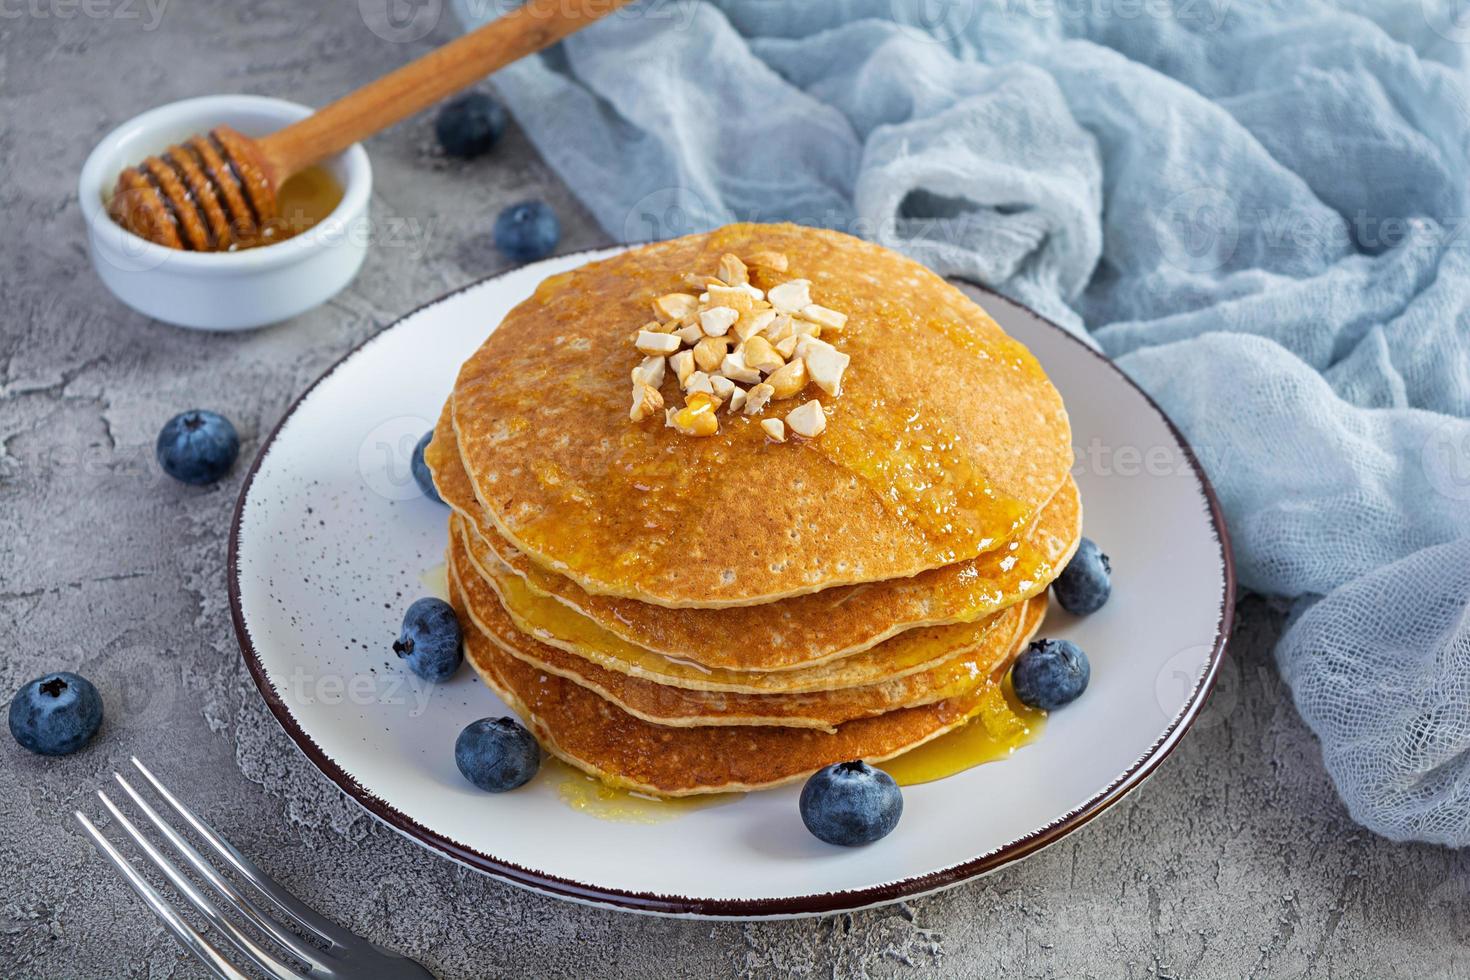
x=217 y=190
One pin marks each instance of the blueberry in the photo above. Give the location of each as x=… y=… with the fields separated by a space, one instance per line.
x=1050 y=673
x=421 y=474
x=1086 y=582
x=430 y=639
x=56 y=714
x=470 y=125
x=197 y=447
x=527 y=231
x=497 y=754
x=851 y=803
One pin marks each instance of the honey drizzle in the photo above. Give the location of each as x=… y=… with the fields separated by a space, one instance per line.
x=591 y=796
x=1001 y=726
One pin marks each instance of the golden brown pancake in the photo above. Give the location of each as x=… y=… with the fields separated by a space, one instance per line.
x=665 y=705
x=595 y=735
x=556 y=625
x=945 y=443
x=796 y=632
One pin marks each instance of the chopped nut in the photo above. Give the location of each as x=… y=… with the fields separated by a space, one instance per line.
x=787 y=347
x=690 y=335
x=737 y=399
x=759 y=354
x=805 y=328
x=683 y=365
x=653 y=326
x=753 y=323
x=674 y=306
x=722 y=387
x=656 y=343
x=710 y=351
x=788 y=380
x=775 y=261
x=732 y=270
x=735 y=368
x=774 y=428
x=824 y=363
x=809 y=420
x=738 y=298
x=697 y=417
x=791 y=296
x=756 y=398
x=697 y=281
x=646 y=401
x=698 y=382
x=650 y=371
x=781 y=327
x=717 y=320
x=823 y=317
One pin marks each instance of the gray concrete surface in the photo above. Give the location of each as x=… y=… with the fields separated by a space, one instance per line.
x=1235 y=860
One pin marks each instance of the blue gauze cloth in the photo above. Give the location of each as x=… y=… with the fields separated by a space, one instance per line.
x=1258 y=208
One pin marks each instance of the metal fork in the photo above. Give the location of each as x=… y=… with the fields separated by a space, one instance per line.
x=339 y=955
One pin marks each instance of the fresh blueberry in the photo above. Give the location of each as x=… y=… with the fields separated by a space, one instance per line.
x=430 y=639
x=421 y=474
x=851 y=803
x=197 y=447
x=527 y=231
x=470 y=125
x=56 y=714
x=497 y=754
x=1050 y=673
x=1086 y=582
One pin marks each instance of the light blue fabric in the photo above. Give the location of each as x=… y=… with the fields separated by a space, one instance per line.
x=1259 y=208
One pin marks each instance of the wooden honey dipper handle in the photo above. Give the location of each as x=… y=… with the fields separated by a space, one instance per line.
x=419 y=84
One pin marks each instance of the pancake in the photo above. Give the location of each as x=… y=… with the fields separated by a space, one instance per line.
x=556 y=625
x=944 y=444
x=797 y=632
x=590 y=732
x=665 y=705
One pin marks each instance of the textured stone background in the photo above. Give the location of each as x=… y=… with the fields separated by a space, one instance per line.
x=1235 y=860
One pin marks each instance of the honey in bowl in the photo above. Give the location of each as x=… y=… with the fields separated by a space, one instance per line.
x=303 y=202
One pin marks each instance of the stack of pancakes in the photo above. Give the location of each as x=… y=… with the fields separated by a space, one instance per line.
x=685 y=615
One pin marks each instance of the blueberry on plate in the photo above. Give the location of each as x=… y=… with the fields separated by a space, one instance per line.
x=197 y=447
x=56 y=714
x=527 y=231
x=421 y=474
x=470 y=125
x=851 y=803
x=430 y=639
x=497 y=754
x=1050 y=673
x=1086 y=582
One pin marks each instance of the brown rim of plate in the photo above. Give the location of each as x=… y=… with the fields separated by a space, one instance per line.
x=817 y=903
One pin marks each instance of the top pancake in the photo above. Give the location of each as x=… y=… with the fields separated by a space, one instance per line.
x=945 y=442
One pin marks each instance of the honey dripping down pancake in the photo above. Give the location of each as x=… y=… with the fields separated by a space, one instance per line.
x=681 y=707
x=797 y=632
x=945 y=443
x=595 y=735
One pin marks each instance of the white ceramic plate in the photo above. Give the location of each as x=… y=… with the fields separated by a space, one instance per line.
x=332 y=540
